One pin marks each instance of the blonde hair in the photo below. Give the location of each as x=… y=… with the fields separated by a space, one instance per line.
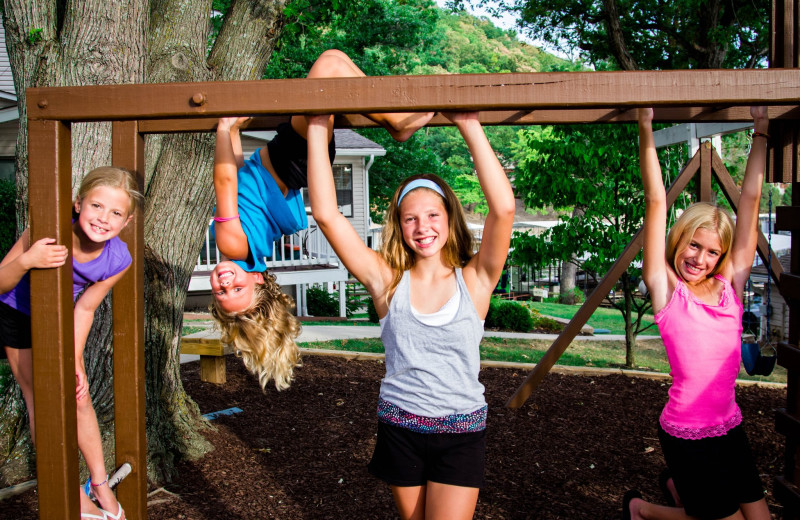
x=701 y=215
x=113 y=177
x=458 y=249
x=263 y=334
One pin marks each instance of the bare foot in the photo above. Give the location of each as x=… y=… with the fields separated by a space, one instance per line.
x=108 y=501
x=88 y=509
x=403 y=126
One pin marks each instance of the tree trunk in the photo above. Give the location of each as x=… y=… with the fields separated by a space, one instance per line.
x=569 y=270
x=102 y=42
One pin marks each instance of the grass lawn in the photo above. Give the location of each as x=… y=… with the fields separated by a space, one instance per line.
x=603 y=318
x=649 y=353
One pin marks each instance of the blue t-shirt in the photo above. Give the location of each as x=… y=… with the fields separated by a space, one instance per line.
x=265 y=213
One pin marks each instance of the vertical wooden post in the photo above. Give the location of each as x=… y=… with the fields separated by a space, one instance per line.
x=128 y=302
x=50 y=195
x=704 y=191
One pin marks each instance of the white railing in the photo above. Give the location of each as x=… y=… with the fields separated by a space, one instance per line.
x=306 y=247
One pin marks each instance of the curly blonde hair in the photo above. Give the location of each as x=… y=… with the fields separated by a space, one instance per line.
x=263 y=334
x=457 y=251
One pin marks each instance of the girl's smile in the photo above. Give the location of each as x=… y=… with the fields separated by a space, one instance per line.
x=424 y=222
x=700 y=257
x=233 y=287
x=103 y=213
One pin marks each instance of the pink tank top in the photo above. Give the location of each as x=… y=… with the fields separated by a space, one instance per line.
x=703 y=344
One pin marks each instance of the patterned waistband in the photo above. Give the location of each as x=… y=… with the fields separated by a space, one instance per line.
x=716 y=430
x=456 y=423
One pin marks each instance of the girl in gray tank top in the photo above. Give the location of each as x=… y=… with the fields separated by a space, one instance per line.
x=432 y=293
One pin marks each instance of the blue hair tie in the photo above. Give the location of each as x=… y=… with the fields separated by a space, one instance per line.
x=420 y=183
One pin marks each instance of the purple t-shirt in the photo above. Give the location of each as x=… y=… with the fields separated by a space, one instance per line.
x=112 y=260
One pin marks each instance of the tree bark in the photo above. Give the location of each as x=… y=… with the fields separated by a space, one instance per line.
x=102 y=42
x=569 y=270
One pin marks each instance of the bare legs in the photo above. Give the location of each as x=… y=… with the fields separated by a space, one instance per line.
x=89 y=441
x=336 y=64
x=641 y=510
x=435 y=501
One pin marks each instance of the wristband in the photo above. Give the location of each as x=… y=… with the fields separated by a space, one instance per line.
x=760 y=134
x=225 y=219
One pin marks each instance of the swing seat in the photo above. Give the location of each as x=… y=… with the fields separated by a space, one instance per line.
x=755 y=362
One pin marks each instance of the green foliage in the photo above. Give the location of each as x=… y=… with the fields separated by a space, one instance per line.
x=34 y=36
x=657 y=35
x=372 y=312
x=547 y=325
x=8 y=222
x=322 y=303
x=508 y=315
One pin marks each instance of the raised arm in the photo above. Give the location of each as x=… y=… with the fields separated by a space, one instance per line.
x=230 y=237
x=745 y=237
x=24 y=256
x=655 y=271
x=364 y=263
x=489 y=261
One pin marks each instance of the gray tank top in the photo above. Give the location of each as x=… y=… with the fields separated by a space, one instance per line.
x=432 y=371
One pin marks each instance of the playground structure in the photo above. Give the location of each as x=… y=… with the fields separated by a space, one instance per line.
x=518 y=99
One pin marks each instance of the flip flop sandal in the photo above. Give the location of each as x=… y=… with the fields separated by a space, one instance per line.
x=626 y=503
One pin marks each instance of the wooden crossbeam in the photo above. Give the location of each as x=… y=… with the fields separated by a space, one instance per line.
x=501 y=117
x=484 y=92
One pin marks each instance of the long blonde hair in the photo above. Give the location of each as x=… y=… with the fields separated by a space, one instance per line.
x=457 y=251
x=263 y=335
x=700 y=215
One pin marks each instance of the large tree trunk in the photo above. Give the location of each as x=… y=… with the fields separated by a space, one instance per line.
x=102 y=42
x=569 y=270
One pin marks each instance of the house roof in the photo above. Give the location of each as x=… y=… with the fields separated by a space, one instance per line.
x=348 y=142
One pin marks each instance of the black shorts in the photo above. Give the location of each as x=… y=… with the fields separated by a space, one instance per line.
x=406 y=458
x=15 y=329
x=288 y=152
x=712 y=475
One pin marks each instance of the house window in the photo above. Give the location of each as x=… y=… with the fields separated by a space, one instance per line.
x=343 y=181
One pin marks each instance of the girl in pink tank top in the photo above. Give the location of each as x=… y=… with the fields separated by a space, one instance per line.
x=695 y=276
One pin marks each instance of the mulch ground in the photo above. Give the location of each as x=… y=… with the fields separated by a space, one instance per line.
x=569 y=453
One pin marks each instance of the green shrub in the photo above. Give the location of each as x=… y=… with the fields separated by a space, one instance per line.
x=508 y=315
x=8 y=220
x=547 y=324
x=320 y=302
x=372 y=312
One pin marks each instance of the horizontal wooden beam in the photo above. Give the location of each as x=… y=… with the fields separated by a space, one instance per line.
x=718 y=88
x=788 y=356
x=499 y=118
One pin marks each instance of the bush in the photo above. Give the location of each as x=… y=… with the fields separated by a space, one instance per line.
x=372 y=312
x=508 y=315
x=322 y=303
x=547 y=324
x=8 y=221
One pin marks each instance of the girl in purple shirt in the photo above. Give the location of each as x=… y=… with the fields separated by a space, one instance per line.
x=106 y=201
x=695 y=276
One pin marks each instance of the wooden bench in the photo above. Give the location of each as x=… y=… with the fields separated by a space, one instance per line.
x=208 y=346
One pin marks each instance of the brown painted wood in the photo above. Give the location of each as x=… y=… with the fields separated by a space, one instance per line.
x=52 y=324
x=789 y=358
x=704 y=191
x=788 y=495
x=580 y=318
x=500 y=117
x=790 y=287
x=128 y=301
x=786 y=424
x=787 y=218
x=515 y=91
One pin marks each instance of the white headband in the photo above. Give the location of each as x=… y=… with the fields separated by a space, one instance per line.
x=420 y=183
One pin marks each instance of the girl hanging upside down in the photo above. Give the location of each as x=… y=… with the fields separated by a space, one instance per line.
x=258 y=201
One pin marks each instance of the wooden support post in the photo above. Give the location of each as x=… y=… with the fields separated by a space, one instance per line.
x=128 y=310
x=704 y=191
x=580 y=318
x=55 y=411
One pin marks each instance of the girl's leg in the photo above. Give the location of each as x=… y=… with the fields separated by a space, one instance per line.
x=21 y=362
x=756 y=510
x=410 y=501
x=445 y=501
x=89 y=507
x=336 y=64
x=91 y=446
x=641 y=510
